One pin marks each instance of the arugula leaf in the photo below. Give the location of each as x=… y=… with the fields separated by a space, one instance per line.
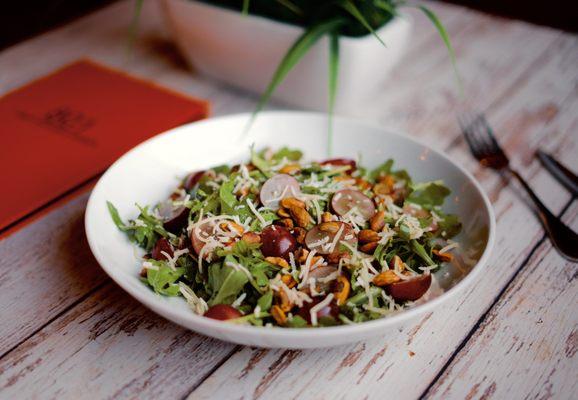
x=420 y=251
x=265 y=301
x=228 y=283
x=116 y=217
x=146 y=233
x=449 y=226
x=429 y=194
x=227 y=197
x=262 y=165
x=290 y=154
x=296 y=322
x=382 y=170
x=163 y=280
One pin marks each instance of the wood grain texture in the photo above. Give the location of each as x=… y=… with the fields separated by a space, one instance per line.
x=526 y=346
x=44 y=268
x=78 y=335
x=109 y=347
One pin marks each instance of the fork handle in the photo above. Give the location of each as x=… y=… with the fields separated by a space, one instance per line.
x=563 y=238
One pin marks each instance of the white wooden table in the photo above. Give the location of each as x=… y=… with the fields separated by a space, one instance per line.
x=67 y=331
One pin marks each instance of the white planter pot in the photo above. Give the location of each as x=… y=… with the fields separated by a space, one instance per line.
x=245 y=50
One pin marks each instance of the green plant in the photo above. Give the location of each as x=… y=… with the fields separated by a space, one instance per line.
x=319 y=18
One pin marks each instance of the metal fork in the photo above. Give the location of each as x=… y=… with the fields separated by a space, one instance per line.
x=488 y=152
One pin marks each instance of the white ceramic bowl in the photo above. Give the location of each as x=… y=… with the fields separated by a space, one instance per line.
x=245 y=50
x=149 y=172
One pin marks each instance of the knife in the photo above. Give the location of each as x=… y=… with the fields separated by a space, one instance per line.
x=562 y=174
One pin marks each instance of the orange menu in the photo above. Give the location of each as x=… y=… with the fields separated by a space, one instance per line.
x=61 y=130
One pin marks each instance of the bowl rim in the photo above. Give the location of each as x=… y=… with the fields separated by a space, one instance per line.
x=192 y=321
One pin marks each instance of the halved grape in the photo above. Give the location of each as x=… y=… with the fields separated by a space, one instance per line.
x=162 y=246
x=338 y=162
x=277 y=241
x=174 y=218
x=344 y=200
x=205 y=230
x=222 y=312
x=330 y=310
x=322 y=236
x=192 y=179
x=411 y=289
x=277 y=188
x=322 y=271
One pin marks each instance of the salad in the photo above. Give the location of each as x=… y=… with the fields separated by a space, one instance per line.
x=282 y=242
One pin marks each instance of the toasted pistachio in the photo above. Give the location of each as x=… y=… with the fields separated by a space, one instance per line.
x=368 y=248
x=331 y=227
x=289 y=202
x=290 y=169
x=289 y=281
x=445 y=257
x=279 y=315
x=299 y=234
x=300 y=216
x=230 y=226
x=386 y=278
x=368 y=236
x=278 y=261
x=327 y=217
x=251 y=237
x=342 y=292
x=283 y=213
x=286 y=222
x=377 y=222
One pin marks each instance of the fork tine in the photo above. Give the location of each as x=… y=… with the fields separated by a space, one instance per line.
x=486 y=144
x=468 y=123
x=490 y=133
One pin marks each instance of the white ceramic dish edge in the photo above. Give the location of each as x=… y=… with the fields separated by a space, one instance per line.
x=284 y=337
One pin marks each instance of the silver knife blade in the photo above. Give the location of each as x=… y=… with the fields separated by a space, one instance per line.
x=562 y=174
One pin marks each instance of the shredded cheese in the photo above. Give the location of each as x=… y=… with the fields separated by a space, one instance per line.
x=318 y=307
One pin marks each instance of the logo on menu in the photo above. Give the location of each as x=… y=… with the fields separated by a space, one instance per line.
x=64 y=120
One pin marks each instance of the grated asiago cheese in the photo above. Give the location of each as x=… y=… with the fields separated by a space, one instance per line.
x=257 y=214
x=149 y=265
x=336 y=238
x=197 y=304
x=319 y=242
x=304 y=274
x=386 y=234
x=452 y=245
x=239 y=300
x=319 y=306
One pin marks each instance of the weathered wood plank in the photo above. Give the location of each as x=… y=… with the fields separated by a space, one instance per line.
x=44 y=268
x=109 y=347
x=403 y=366
x=526 y=346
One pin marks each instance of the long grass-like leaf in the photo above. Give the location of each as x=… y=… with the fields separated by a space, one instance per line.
x=133 y=28
x=387 y=6
x=292 y=57
x=245 y=9
x=446 y=39
x=332 y=85
x=291 y=6
x=352 y=9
